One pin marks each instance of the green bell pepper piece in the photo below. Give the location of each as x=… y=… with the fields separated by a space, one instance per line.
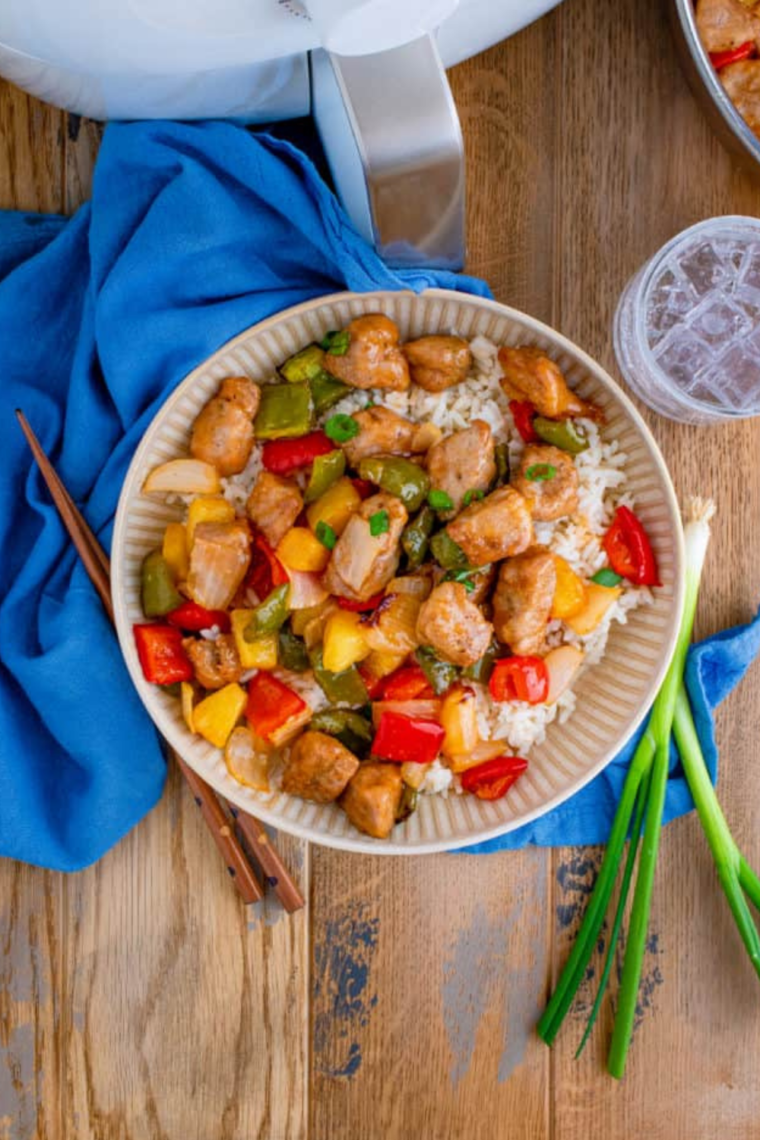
x=270 y=614
x=407 y=803
x=285 y=411
x=501 y=458
x=561 y=433
x=346 y=688
x=440 y=674
x=350 y=728
x=399 y=477
x=325 y=470
x=448 y=553
x=304 y=365
x=416 y=537
x=326 y=391
x=158 y=593
x=482 y=669
x=292 y=652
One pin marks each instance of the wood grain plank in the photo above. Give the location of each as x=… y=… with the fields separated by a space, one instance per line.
x=638 y=163
x=185 y=1011
x=81 y=143
x=31 y=155
x=428 y=973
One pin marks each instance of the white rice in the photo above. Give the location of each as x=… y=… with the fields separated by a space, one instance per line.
x=578 y=539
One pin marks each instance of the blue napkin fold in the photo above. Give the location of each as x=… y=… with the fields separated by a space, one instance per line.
x=194 y=232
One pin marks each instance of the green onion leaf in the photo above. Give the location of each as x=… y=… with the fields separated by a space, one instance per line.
x=336 y=343
x=325 y=534
x=341 y=428
x=379 y=523
x=472 y=496
x=540 y=472
x=440 y=501
x=606 y=577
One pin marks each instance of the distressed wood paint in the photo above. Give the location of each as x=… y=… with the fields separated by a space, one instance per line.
x=398 y=1004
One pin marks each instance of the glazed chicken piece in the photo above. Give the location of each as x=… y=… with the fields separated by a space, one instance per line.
x=726 y=24
x=373 y=359
x=318 y=768
x=453 y=626
x=219 y=560
x=223 y=430
x=215 y=663
x=383 y=432
x=372 y=798
x=362 y=564
x=548 y=479
x=531 y=375
x=742 y=82
x=463 y=462
x=522 y=601
x=273 y=506
x=438 y=362
x=493 y=528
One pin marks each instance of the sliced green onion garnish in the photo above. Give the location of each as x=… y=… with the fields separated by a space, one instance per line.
x=440 y=501
x=341 y=428
x=472 y=496
x=325 y=534
x=540 y=472
x=606 y=577
x=379 y=523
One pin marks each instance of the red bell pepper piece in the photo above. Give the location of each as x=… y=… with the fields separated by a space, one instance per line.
x=721 y=59
x=408 y=683
x=270 y=704
x=372 y=684
x=281 y=456
x=192 y=617
x=361 y=607
x=163 y=660
x=629 y=550
x=519 y=679
x=363 y=487
x=493 y=778
x=266 y=571
x=405 y=738
x=523 y=413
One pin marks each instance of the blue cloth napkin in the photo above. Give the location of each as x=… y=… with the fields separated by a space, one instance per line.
x=194 y=232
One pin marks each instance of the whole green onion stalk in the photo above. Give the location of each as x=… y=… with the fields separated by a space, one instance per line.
x=642 y=800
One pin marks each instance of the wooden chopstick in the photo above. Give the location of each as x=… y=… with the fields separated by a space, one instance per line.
x=269 y=860
x=97 y=565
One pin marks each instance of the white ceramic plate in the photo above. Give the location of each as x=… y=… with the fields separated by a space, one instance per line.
x=612 y=697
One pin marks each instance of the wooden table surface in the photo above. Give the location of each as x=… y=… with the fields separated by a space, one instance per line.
x=139 y=1000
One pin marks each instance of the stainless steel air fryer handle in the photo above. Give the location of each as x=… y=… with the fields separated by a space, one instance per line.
x=406 y=129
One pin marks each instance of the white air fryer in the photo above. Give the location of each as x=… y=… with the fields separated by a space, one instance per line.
x=371 y=72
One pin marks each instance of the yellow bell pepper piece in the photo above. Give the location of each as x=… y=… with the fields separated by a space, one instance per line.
x=335 y=507
x=208 y=508
x=216 y=715
x=344 y=642
x=598 y=601
x=380 y=662
x=258 y=654
x=188 y=696
x=301 y=550
x=174 y=550
x=569 y=593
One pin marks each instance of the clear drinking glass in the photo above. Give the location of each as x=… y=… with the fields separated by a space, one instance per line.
x=687 y=326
